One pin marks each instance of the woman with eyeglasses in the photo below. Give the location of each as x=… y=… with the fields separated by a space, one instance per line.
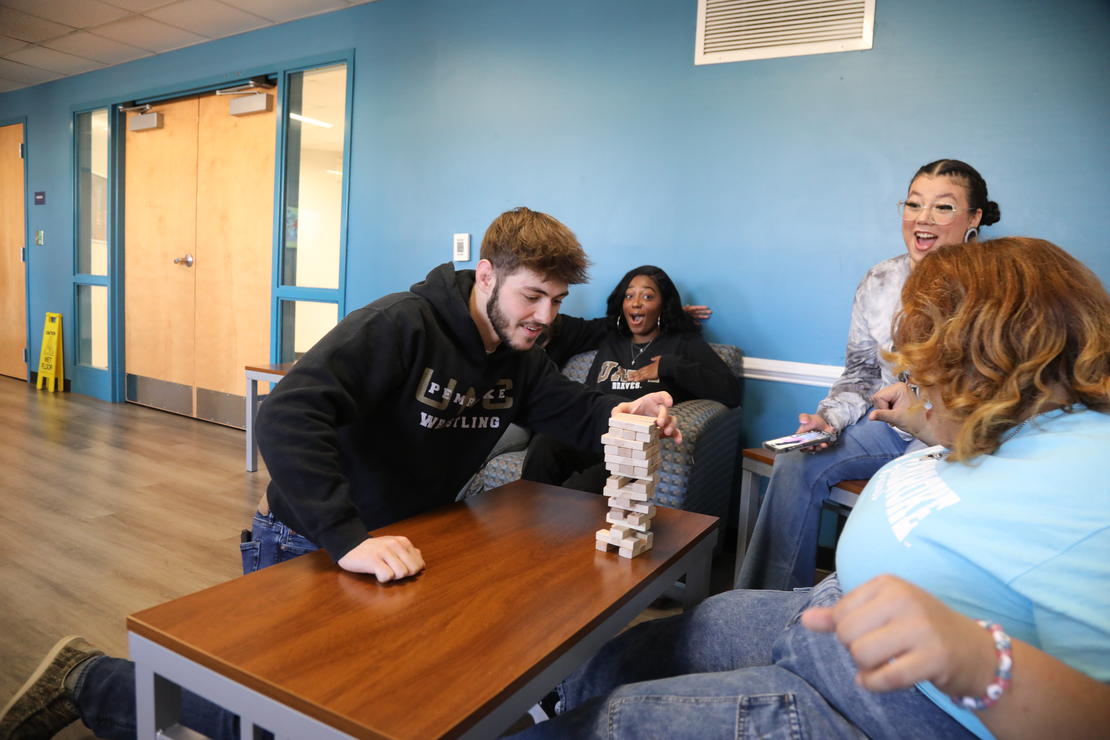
x=946 y=204
x=970 y=598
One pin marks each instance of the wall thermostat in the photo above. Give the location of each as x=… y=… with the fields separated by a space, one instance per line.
x=461 y=250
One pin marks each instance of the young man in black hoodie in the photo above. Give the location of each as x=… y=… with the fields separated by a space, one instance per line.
x=391 y=412
x=384 y=418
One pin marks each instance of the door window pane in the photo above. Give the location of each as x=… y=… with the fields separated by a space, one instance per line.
x=303 y=323
x=315 y=135
x=92 y=192
x=92 y=323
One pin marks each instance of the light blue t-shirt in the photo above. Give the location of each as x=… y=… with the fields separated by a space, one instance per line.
x=1020 y=537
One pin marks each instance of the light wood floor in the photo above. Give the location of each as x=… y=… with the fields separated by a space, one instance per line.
x=106 y=509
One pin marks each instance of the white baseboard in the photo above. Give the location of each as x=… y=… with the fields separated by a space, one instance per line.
x=783 y=371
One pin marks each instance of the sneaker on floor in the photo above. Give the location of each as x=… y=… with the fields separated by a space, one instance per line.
x=42 y=707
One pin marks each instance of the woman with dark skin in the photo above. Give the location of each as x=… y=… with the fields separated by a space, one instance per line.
x=651 y=344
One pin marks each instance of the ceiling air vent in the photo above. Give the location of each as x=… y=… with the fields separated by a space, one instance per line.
x=739 y=30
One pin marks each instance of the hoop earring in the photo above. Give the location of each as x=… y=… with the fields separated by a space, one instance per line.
x=971 y=234
x=618 y=322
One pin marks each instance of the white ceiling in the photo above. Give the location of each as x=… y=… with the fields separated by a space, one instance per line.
x=43 y=40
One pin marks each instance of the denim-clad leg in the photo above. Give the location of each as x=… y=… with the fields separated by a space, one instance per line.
x=782 y=552
x=744 y=666
x=105 y=691
x=105 y=697
x=271 y=543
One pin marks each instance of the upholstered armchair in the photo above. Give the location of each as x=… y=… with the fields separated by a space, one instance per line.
x=702 y=474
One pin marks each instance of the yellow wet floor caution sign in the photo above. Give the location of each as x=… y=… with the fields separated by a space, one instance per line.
x=51 y=363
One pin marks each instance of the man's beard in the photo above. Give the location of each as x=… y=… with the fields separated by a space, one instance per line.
x=499 y=321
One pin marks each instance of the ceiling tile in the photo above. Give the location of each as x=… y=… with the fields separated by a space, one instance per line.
x=54 y=61
x=7 y=43
x=76 y=13
x=138 y=6
x=27 y=75
x=147 y=34
x=207 y=18
x=28 y=28
x=287 y=10
x=9 y=85
x=91 y=46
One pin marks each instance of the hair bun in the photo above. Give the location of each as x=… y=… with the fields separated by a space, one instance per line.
x=991 y=214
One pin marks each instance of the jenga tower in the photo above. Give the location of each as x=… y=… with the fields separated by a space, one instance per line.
x=632 y=456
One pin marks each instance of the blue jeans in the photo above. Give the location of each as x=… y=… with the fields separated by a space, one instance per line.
x=782 y=553
x=740 y=665
x=105 y=690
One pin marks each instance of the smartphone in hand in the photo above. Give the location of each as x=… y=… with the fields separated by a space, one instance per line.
x=801 y=441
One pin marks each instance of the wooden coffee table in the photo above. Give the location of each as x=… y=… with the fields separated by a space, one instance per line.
x=514 y=597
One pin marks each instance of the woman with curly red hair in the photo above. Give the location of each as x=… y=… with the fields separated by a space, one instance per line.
x=970 y=598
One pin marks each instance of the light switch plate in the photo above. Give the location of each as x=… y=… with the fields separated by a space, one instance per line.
x=460 y=251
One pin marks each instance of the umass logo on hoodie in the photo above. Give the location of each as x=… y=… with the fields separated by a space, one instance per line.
x=446 y=397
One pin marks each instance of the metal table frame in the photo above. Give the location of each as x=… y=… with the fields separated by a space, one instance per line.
x=255 y=375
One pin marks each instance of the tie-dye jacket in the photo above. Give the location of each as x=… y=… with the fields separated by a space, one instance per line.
x=865 y=371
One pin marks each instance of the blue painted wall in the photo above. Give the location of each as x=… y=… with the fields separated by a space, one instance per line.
x=767 y=188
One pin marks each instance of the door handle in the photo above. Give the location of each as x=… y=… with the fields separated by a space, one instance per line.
x=187 y=259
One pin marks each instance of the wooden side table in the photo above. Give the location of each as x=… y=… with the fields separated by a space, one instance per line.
x=269 y=373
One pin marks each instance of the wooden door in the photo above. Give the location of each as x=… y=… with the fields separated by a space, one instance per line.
x=201 y=187
x=159 y=227
x=13 y=306
x=235 y=205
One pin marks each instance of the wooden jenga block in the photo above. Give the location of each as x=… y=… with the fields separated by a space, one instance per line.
x=631 y=488
x=642 y=507
x=639 y=548
x=635 y=422
x=627 y=547
x=618 y=459
x=629 y=471
x=640 y=522
x=648 y=453
x=615 y=439
x=643 y=543
x=618 y=535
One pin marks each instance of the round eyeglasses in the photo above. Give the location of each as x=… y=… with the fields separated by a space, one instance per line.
x=942 y=213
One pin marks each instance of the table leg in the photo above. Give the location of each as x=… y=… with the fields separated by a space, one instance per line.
x=697 y=577
x=251 y=410
x=749 y=510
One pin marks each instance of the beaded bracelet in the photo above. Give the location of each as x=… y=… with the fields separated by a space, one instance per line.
x=1001 y=673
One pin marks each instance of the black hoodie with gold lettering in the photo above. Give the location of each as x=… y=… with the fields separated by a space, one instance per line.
x=396 y=407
